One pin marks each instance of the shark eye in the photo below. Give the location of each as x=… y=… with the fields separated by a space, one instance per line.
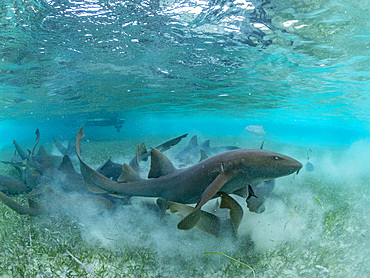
x=276 y=157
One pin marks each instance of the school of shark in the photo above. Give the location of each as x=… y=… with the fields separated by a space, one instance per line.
x=205 y=173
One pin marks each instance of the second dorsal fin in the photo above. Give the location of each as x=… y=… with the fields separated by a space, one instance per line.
x=160 y=164
x=193 y=141
x=142 y=149
x=203 y=155
x=41 y=153
x=66 y=166
x=128 y=174
x=206 y=144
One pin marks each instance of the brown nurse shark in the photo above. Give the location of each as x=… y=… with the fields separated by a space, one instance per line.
x=226 y=172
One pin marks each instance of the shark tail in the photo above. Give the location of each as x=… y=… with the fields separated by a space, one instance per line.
x=33 y=209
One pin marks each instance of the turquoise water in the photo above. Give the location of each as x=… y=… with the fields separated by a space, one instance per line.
x=271 y=61
x=211 y=68
x=279 y=63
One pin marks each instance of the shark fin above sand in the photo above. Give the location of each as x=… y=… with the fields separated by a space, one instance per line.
x=204 y=221
x=160 y=165
x=169 y=144
x=193 y=141
x=63 y=150
x=107 y=164
x=141 y=151
x=46 y=162
x=135 y=160
x=190 y=220
x=206 y=144
x=242 y=192
x=110 y=169
x=66 y=166
x=41 y=153
x=94 y=180
x=162 y=205
x=250 y=192
x=128 y=174
x=142 y=154
x=203 y=155
x=236 y=211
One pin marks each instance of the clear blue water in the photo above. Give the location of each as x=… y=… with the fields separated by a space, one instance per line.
x=299 y=68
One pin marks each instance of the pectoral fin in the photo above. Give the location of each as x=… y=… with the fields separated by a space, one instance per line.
x=163 y=206
x=236 y=211
x=207 y=222
x=192 y=218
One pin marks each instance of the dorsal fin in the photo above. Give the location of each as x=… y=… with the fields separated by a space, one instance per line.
x=60 y=147
x=107 y=165
x=160 y=165
x=205 y=144
x=135 y=161
x=142 y=150
x=128 y=174
x=46 y=161
x=193 y=141
x=250 y=192
x=41 y=153
x=242 y=192
x=262 y=144
x=66 y=166
x=169 y=144
x=203 y=155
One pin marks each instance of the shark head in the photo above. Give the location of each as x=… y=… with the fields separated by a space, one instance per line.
x=260 y=165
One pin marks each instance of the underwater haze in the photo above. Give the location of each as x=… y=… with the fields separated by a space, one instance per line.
x=148 y=71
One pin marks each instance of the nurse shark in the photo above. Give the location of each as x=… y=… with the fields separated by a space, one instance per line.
x=236 y=171
x=218 y=175
x=193 y=151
